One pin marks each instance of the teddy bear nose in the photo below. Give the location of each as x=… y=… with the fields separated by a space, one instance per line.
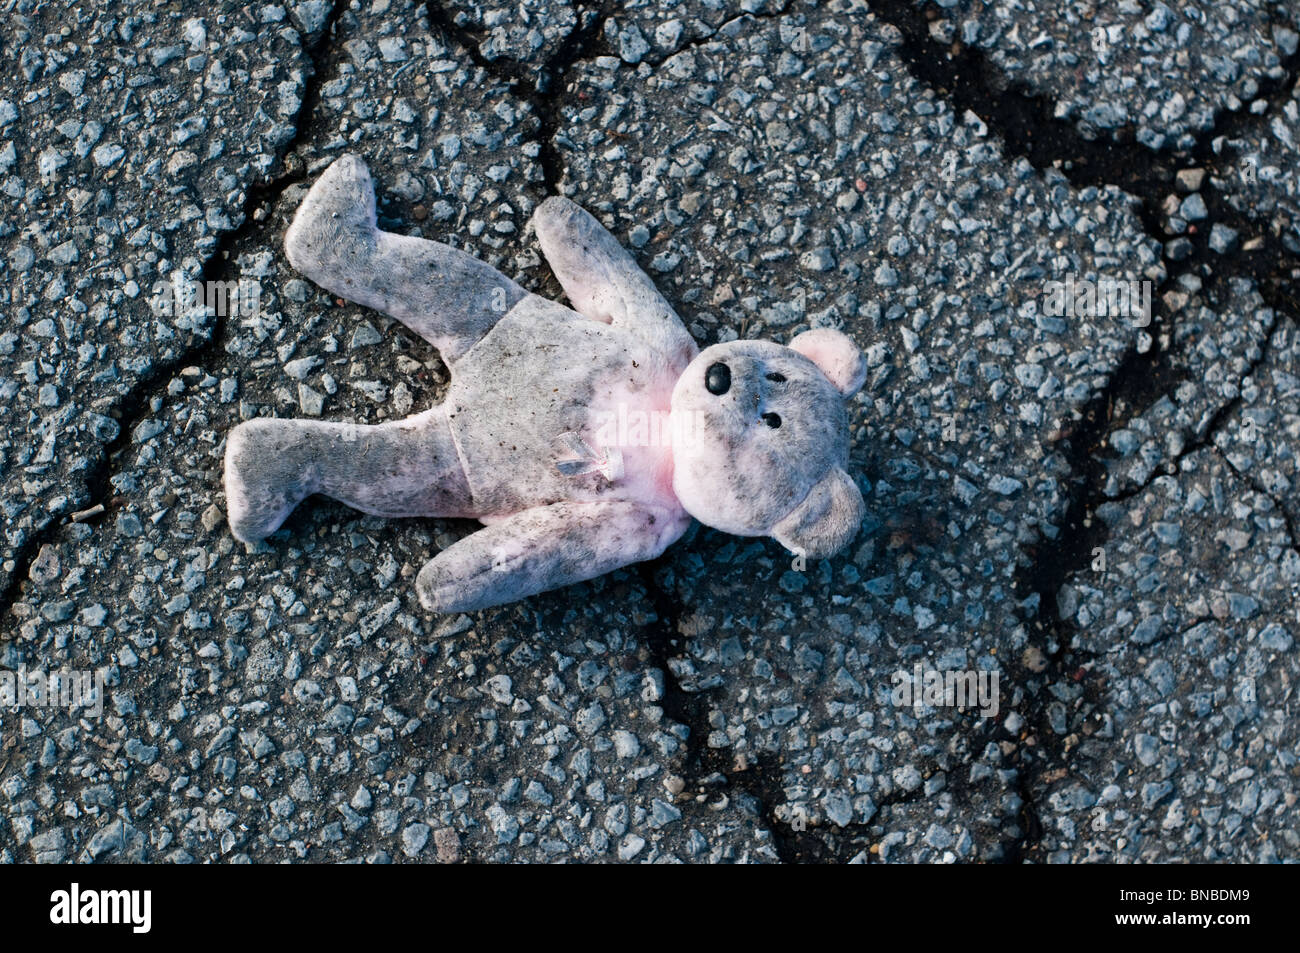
x=717 y=379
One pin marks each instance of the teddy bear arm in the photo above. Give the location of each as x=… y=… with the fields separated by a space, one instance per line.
x=449 y=298
x=604 y=282
x=544 y=548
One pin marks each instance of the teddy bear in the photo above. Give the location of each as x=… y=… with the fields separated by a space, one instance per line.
x=583 y=439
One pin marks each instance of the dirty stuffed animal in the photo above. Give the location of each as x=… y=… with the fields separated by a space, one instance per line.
x=583 y=440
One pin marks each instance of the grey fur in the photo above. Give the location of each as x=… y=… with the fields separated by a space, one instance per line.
x=527 y=371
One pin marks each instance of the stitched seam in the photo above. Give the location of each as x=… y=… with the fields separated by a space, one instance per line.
x=451 y=363
x=460 y=457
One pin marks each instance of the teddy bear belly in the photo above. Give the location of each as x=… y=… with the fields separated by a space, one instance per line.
x=512 y=460
x=548 y=372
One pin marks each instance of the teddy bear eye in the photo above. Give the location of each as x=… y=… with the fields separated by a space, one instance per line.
x=778 y=378
x=772 y=420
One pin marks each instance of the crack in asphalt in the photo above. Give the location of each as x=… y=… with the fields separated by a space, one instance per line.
x=536 y=85
x=1218 y=420
x=138 y=401
x=707 y=770
x=1287 y=522
x=544 y=87
x=1027 y=125
x=657 y=61
x=759 y=775
x=703 y=768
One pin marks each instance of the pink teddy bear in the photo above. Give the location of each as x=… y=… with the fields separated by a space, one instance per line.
x=583 y=440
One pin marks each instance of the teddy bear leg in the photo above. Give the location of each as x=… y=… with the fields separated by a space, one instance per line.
x=404 y=468
x=449 y=298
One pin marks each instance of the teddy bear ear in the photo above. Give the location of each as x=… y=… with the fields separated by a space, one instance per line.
x=826 y=520
x=836 y=355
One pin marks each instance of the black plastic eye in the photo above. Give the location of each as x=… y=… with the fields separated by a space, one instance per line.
x=776 y=377
x=717 y=379
x=772 y=420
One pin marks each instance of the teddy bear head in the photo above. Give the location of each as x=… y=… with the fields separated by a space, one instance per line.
x=761 y=440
